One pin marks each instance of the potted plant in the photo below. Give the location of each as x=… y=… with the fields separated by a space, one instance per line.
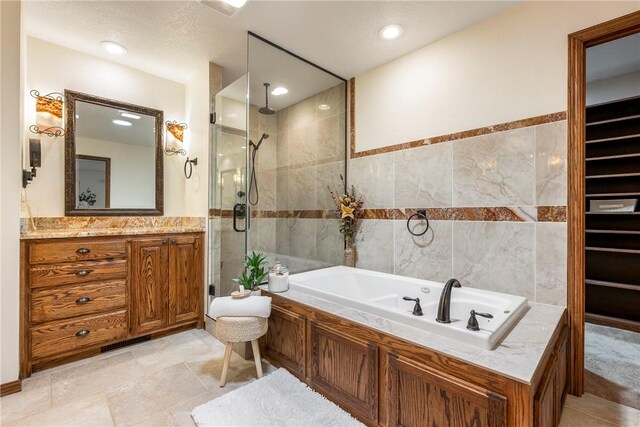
x=349 y=209
x=254 y=272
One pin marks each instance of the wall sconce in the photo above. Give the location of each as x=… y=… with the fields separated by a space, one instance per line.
x=48 y=114
x=174 y=138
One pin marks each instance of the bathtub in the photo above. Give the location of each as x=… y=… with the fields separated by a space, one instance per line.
x=381 y=294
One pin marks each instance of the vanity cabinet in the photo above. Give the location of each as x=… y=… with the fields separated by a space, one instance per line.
x=79 y=295
x=166 y=282
x=384 y=380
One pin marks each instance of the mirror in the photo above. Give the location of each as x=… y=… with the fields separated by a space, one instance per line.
x=114 y=161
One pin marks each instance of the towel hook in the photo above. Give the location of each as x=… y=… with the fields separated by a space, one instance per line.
x=421 y=214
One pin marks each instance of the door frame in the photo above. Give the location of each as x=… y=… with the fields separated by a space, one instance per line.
x=576 y=110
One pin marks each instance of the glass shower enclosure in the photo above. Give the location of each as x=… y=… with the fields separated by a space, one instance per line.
x=278 y=145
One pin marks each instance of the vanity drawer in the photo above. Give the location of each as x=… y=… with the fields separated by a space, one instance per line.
x=66 y=336
x=79 y=250
x=70 y=301
x=81 y=272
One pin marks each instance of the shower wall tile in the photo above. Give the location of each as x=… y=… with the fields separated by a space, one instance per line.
x=328 y=177
x=332 y=98
x=282 y=235
x=551 y=263
x=551 y=163
x=374 y=244
x=267 y=190
x=303 y=113
x=424 y=257
x=302 y=145
x=266 y=234
x=302 y=238
x=423 y=176
x=282 y=190
x=266 y=156
x=331 y=139
x=282 y=149
x=302 y=188
x=495 y=169
x=372 y=177
x=497 y=256
x=329 y=241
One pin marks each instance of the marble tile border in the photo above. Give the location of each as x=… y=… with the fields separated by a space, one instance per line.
x=516 y=124
x=499 y=213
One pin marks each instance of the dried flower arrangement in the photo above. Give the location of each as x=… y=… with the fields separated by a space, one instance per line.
x=349 y=209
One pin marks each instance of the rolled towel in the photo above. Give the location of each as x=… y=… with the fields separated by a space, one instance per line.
x=252 y=306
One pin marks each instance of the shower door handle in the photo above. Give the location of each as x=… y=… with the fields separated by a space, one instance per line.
x=239 y=212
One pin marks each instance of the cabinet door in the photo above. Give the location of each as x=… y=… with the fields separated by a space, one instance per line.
x=149 y=284
x=186 y=284
x=420 y=396
x=346 y=370
x=285 y=340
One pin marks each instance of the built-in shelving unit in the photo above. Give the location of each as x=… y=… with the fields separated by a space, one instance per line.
x=613 y=239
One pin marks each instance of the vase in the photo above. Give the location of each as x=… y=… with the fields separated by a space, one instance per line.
x=350 y=255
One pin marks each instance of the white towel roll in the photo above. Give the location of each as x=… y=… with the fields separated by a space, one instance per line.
x=252 y=306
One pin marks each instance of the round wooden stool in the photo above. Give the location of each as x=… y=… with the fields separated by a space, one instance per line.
x=240 y=329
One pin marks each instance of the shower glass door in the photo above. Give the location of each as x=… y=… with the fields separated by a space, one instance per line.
x=228 y=212
x=278 y=146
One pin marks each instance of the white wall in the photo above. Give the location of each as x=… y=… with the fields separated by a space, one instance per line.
x=618 y=87
x=53 y=68
x=505 y=68
x=133 y=171
x=11 y=80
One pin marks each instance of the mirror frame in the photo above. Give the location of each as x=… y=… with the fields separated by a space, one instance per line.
x=71 y=97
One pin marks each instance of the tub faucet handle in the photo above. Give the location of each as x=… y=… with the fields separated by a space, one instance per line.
x=472 y=324
x=417 y=309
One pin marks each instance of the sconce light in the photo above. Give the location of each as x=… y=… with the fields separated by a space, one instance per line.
x=48 y=114
x=174 y=138
x=35 y=161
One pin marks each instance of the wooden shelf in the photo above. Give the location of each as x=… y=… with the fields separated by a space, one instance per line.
x=612 y=231
x=614 y=138
x=620 y=251
x=614 y=322
x=614 y=175
x=612 y=284
x=614 y=157
x=617 y=119
x=613 y=194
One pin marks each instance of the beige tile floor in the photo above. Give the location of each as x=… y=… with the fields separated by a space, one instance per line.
x=158 y=383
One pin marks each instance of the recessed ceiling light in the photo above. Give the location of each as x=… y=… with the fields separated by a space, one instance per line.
x=121 y=123
x=279 y=91
x=323 y=107
x=131 y=116
x=391 y=31
x=235 y=3
x=114 y=48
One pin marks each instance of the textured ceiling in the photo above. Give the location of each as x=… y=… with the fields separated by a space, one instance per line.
x=173 y=38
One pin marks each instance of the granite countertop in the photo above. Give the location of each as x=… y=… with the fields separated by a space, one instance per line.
x=64 y=227
x=96 y=232
x=517 y=356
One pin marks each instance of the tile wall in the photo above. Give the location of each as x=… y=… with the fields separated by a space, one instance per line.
x=521 y=168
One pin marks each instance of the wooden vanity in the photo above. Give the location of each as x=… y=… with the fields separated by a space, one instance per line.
x=384 y=380
x=81 y=294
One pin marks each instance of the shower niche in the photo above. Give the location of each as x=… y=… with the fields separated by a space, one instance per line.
x=279 y=144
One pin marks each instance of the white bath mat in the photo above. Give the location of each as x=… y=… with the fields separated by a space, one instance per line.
x=278 y=399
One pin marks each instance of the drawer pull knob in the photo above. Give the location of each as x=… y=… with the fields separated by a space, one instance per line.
x=164 y=241
x=83 y=333
x=83 y=272
x=83 y=300
x=83 y=251
x=174 y=241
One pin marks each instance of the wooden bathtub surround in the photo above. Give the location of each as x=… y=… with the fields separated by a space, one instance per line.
x=80 y=294
x=384 y=380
